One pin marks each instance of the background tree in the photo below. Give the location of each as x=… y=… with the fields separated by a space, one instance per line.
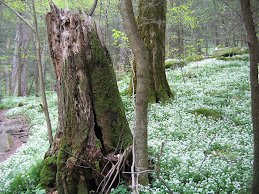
x=152 y=24
x=254 y=61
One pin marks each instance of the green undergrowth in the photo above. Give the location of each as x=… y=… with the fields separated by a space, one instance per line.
x=174 y=63
x=244 y=57
x=206 y=129
x=194 y=58
x=207 y=112
x=20 y=172
x=226 y=51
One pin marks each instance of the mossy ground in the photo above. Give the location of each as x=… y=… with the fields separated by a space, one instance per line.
x=207 y=112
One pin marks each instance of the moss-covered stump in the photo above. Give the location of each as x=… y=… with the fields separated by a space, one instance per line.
x=92 y=127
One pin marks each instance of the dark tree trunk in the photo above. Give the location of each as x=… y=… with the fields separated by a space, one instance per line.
x=92 y=122
x=152 y=24
x=254 y=60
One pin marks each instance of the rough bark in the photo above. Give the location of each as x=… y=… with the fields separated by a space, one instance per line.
x=152 y=24
x=20 y=64
x=36 y=75
x=142 y=60
x=25 y=61
x=254 y=60
x=92 y=122
x=16 y=59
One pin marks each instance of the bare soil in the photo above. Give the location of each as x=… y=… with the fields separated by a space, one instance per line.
x=18 y=128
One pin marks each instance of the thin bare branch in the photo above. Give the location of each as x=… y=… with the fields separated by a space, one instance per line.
x=19 y=15
x=84 y=162
x=230 y=7
x=158 y=169
x=93 y=8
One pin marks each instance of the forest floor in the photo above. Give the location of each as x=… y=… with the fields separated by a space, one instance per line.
x=17 y=128
x=206 y=130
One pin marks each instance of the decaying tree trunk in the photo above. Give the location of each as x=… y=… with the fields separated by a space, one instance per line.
x=93 y=128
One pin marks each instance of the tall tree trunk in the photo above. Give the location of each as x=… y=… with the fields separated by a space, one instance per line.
x=16 y=60
x=142 y=60
x=25 y=59
x=36 y=75
x=152 y=24
x=19 y=72
x=42 y=85
x=254 y=60
x=7 y=81
x=92 y=122
x=7 y=71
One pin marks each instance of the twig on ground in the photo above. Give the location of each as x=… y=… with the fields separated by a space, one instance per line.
x=197 y=140
x=116 y=167
x=158 y=169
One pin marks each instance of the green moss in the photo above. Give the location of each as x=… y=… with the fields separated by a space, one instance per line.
x=97 y=166
x=82 y=188
x=162 y=95
x=20 y=104
x=98 y=143
x=153 y=34
x=234 y=58
x=194 y=58
x=108 y=106
x=207 y=112
x=48 y=172
x=226 y=52
x=174 y=63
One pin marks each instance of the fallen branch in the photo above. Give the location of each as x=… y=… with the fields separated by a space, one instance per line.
x=116 y=167
x=197 y=140
x=206 y=151
x=158 y=169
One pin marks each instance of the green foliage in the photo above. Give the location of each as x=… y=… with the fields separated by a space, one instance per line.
x=226 y=52
x=121 y=189
x=10 y=102
x=235 y=58
x=220 y=46
x=119 y=37
x=26 y=184
x=183 y=14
